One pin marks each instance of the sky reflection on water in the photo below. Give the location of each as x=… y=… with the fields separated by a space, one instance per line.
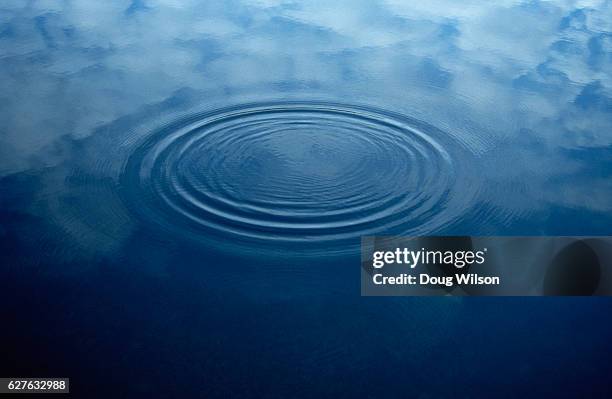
x=525 y=84
x=522 y=88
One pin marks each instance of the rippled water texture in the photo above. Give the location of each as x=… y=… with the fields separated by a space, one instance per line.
x=184 y=185
x=319 y=173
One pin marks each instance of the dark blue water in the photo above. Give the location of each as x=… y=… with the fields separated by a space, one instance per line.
x=183 y=188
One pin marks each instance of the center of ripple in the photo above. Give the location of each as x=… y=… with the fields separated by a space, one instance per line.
x=297 y=172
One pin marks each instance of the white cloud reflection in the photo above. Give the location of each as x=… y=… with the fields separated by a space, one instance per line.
x=493 y=70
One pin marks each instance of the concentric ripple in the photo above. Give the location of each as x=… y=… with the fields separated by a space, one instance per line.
x=282 y=173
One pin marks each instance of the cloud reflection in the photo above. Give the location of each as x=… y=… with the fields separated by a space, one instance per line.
x=525 y=84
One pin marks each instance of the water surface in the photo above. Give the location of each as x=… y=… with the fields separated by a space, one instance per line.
x=183 y=186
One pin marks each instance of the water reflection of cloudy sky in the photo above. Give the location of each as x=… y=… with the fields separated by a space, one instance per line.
x=524 y=83
x=338 y=118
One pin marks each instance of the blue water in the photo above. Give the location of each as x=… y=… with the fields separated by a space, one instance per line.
x=183 y=187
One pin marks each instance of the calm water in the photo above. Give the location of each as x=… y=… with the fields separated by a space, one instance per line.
x=183 y=186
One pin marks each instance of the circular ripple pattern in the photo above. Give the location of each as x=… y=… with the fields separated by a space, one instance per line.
x=281 y=173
